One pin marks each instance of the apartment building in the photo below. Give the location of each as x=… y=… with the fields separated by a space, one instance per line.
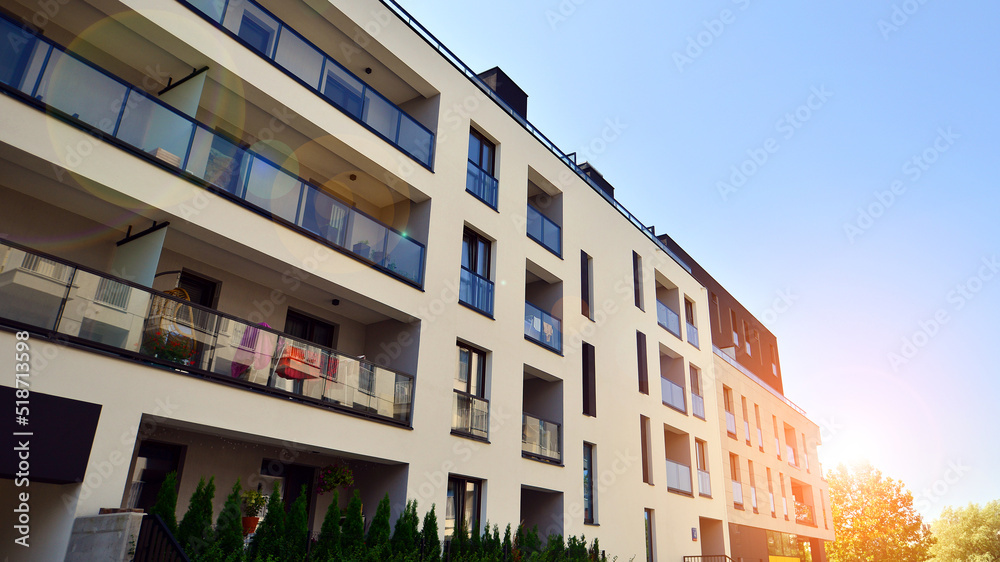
x=777 y=500
x=254 y=239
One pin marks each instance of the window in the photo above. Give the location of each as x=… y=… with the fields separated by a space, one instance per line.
x=701 y=464
x=588 y=484
x=753 y=486
x=462 y=504
x=770 y=491
x=640 y=346
x=648 y=516
x=689 y=312
x=701 y=457
x=256 y=33
x=152 y=464
x=777 y=440
x=774 y=360
x=734 y=475
x=637 y=279
x=746 y=419
x=476 y=288
x=746 y=337
x=760 y=433
x=480 y=180
x=589 y=381
x=697 y=401
x=586 y=290
x=718 y=310
x=647 y=472
x=727 y=398
x=733 y=324
x=784 y=499
x=199 y=289
x=470 y=414
x=310 y=329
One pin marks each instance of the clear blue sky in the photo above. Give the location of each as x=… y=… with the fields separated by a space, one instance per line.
x=695 y=95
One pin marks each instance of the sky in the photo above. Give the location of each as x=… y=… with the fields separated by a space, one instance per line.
x=832 y=164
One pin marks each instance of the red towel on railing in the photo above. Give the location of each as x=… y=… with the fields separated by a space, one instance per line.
x=295 y=363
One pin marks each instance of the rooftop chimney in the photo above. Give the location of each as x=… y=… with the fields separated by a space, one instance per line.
x=508 y=91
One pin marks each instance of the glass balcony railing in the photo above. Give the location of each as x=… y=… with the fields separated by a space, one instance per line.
x=704 y=483
x=730 y=423
x=692 y=334
x=541 y=438
x=541 y=229
x=482 y=185
x=542 y=328
x=470 y=415
x=669 y=319
x=673 y=395
x=476 y=291
x=698 y=406
x=805 y=514
x=116 y=316
x=737 y=492
x=678 y=477
x=87 y=96
x=258 y=29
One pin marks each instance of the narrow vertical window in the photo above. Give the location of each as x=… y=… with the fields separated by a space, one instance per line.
x=737 y=482
x=462 y=504
x=746 y=419
x=589 y=381
x=648 y=516
x=647 y=473
x=586 y=289
x=760 y=432
x=753 y=486
x=588 y=483
x=637 y=279
x=640 y=346
x=735 y=329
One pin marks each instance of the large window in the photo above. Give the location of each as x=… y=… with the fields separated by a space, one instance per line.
x=470 y=414
x=476 y=288
x=480 y=180
x=588 y=483
x=464 y=498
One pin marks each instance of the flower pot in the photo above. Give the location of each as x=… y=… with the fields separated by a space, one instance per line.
x=250 y=525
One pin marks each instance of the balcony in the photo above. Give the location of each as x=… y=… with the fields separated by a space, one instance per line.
x=541 y=229
x=731 y=424
x=673 y=395
x=476 y=292
x=669 y=319
x=260 y=31
x=678 y=477
x=541 y=328
x=47 y=77
x=481 y=185
x=704 y=484
x=692 y=335
x=541 y=439
x=112 y=315
x=470 y=415
x=698 y=406
x=737 y=493
x=805 y=514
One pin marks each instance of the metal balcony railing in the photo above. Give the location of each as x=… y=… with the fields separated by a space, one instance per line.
x=543 y=230
x=481 y=184
x=470 y=415
x=542 y=328
x=476 y=291
x=259 y=30
x=540 y=438
x=45 y=75
x=155 y=327
x=669 y=319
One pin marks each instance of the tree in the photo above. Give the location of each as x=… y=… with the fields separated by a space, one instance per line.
x=405 y=534
x=352 y=538
x=195 y=531
x=269 y=540
x=229 y=525
x=297 y=529
x=166 y=502
x=429 y=537
x=970 y=534
x=874 y=518
x=328 y=545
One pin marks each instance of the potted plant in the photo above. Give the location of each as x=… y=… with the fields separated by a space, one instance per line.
x=252 y=503
x=333 y=476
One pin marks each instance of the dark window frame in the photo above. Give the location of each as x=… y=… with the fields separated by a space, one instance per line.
x=643 y=361
x=589 y=380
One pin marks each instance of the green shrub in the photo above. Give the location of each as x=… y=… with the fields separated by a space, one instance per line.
x=430 y=543
x=405 y=536
x=269 y=541
x=195 y=530
x=166 y=502
x=297 y=530
x=328 y=545
x=352 y=539
x=229 y=525
x=378 y=532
